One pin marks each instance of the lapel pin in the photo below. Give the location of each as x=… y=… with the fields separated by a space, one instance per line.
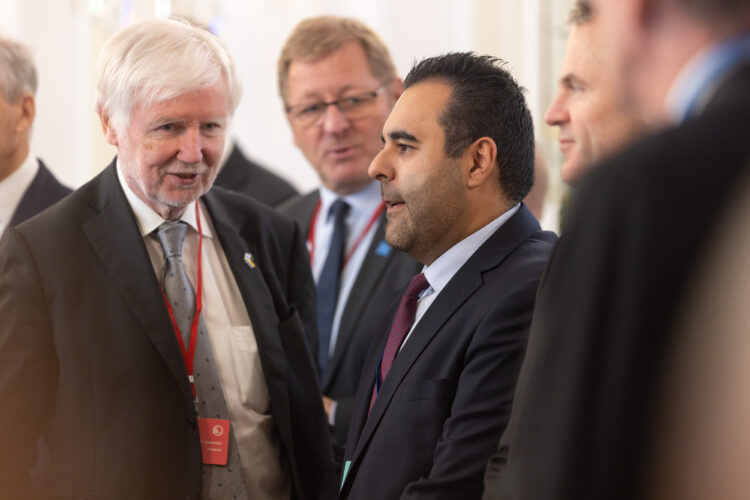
x=249 y=261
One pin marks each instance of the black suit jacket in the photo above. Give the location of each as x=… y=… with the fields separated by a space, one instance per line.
x=379 y=281
x=245 y=176
x=603 y=326
x=447 y=398
x=43 y=191
x=88 y=357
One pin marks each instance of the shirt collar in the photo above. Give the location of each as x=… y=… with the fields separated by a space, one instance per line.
x=13 y=187
x=362 y=203
x=703 y=74
x=442 y=270
x=148 y=220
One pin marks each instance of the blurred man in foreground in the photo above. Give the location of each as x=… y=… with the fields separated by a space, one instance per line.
x=592 y=122
x=583 y=425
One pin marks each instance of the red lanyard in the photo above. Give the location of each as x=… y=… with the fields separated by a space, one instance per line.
x=314 y=221
x=189 y=354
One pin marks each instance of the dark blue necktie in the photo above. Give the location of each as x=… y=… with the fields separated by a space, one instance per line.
x=328 y=282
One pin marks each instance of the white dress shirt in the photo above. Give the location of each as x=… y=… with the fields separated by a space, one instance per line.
x=363 y=205
x=703 y=74
x=13 y=187
x=234 y=347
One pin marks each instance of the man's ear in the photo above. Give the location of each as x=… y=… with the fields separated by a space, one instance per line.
x=397 y=87
x=482 y=154
x=110 y=134
x=28 y=111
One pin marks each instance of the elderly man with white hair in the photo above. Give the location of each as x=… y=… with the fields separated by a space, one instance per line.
x=156 y=331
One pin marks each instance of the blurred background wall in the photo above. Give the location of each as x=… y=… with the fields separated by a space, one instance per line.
x=65 y=37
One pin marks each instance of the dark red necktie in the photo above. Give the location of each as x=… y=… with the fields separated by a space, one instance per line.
x=402 y=323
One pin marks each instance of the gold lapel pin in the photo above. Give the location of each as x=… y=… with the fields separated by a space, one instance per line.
x=249 y=261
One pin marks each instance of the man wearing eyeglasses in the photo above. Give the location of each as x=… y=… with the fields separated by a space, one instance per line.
x=338 y=85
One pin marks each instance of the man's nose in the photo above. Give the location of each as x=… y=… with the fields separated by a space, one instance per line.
x=557 y=112
x=190 y=146
x=379 y=168
x=334 y=121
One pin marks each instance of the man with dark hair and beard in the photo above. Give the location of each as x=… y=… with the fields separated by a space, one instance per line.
x=437 y=385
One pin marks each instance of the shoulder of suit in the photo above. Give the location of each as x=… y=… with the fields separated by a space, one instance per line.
x=300 y=208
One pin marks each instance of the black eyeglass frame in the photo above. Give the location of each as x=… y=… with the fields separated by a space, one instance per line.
x=345 y=105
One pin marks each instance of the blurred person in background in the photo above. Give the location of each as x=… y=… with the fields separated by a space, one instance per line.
x=339 y=84
x=26 y=185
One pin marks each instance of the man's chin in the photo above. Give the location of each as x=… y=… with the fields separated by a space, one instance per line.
x=347 y=184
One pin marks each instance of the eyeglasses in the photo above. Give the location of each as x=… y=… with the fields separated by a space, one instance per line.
x=353 y=107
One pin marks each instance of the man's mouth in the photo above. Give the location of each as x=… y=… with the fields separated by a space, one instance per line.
x=184 y=179
x=393 y=206
x=340 y=152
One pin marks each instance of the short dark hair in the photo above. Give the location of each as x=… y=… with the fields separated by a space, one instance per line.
x=485 y=101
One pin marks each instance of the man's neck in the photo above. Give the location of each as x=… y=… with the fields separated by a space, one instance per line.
x=13 y=161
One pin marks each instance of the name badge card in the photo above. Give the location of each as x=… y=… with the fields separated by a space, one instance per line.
x=214 y=436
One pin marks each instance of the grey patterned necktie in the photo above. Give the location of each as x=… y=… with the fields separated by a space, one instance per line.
x=219 y=482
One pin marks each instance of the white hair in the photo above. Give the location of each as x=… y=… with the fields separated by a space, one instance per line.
x=17 y=70
x=160 y=59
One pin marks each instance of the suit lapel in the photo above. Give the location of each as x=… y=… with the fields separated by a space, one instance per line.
x=129 y=268
x=369 y=273
x=301 y=209
x=43 y=191
x=459 y=289
x=258 y=300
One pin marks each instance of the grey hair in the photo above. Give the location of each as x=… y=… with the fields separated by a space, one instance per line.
x=160 y=59
x=17 y=70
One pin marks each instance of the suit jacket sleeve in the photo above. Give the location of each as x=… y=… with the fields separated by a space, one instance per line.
x=493 y=475
x=28 y=374
x=487 y=381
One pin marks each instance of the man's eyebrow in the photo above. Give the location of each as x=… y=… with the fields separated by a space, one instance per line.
x=571 y=80
x=402 y=135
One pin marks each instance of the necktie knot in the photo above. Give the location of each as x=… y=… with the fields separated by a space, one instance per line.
x=171 y=235
x=417 y=285
x=339 y=210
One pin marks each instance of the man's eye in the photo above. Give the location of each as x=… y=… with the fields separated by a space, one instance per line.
x=353 y=101
x=166 y=127
x=311 y=109
x=403 y=148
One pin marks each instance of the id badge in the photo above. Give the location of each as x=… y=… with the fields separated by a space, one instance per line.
x=214 y=436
